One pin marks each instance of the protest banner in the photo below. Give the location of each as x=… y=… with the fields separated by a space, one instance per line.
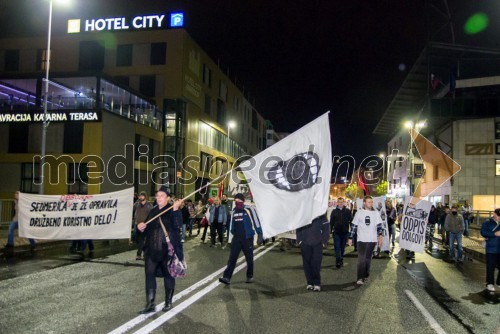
x=76 y=217
x=414 y=224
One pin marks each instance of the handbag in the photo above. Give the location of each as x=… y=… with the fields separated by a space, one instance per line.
x=176 y=268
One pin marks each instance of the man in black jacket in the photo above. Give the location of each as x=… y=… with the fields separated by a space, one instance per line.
x=339 y=223
x=312 y=238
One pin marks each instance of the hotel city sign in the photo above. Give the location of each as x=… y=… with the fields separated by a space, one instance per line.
x=140 y=22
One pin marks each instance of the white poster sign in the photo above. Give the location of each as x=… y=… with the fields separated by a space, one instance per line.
x=413 y=225
x=76 y=217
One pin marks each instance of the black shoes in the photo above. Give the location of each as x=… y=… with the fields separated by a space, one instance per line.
x=249 y=280
x=224 y=280
x=169 y=294
x=150 y=302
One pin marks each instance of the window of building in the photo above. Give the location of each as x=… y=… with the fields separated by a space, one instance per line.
x=147 y=85
x=435 y=174
x=12 y=60
x=497 y=130
x=207 y=75
x=78 y=178
x=497 y=167
x=30 y=178
x=254 y=119
x=73 y=137
x=91 y=56
x=208 y=104
x=222 y=91
x=18 y=138
x=124 y=55
x=158 y=53
x=205 y=162
x=269 y=136
x=221 y=112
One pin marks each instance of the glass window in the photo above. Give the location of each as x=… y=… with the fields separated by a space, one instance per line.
x=158 y=53
x=91 y=56
x=78 y=178
x=205 y=162
x=124 y=55
x=30 y=178
x=497 y=167
x=147 y=85
x=208 y=105
x=73 y=137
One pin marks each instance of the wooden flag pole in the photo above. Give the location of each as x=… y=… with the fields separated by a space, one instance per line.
x=191 y=194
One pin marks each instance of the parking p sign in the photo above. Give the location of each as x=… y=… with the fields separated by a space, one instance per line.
x=176 y=20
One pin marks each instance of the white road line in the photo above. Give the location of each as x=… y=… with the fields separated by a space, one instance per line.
x=137 y=320
x=430 y=319
x=191 y=300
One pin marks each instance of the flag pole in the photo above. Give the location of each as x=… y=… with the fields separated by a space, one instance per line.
x=191 y=194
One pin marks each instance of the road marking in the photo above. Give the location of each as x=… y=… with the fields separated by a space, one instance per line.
x=191 y=300
x=430 y=319
x=137 y=320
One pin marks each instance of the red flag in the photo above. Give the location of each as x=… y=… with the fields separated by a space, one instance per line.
x=362 y=183
x=221 y=189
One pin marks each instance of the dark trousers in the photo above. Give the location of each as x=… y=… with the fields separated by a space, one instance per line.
x=219 y=229
x=365 y=252
x=339 y=241
x=237 y=245
x=151 y=268
x=204 y=235
x=84 y=243
x=140 y=243
x=311 y=258
x=492 y=262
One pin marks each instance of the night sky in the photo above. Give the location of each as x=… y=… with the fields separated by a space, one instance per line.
x=297 y=58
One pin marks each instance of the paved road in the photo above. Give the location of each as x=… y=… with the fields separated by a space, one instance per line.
x=103 y=294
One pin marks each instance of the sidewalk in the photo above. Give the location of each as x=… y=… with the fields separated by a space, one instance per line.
x=472 y=245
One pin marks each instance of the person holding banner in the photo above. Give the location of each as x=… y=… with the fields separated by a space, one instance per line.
x=244 y=225
x=156 y=248
x=367 y=223
x=14 y=225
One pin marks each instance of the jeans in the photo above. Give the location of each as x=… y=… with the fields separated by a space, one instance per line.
x=467 y=222
x=84 y=243
x=492 y=262
x=458 y=237
x=365 y=252
x=392 y=233
x=183 y=231
x=339 y=241
x=237 y=245
x=10 y=237
x=311 y=258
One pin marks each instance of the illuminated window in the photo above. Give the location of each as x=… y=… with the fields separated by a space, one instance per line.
x=497 y=167
x=30 y=177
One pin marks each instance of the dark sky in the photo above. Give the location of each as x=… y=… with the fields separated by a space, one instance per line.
x=298 y=58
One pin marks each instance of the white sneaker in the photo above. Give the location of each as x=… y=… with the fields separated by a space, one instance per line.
x=182 y=240
x=360 y=282
x=309 y=287
x=317 y=288
x=490 y=287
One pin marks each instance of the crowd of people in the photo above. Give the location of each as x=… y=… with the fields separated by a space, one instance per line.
x=170 y=222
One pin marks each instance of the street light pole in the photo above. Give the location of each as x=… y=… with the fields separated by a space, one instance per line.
x=45 y=101
x=382 y=156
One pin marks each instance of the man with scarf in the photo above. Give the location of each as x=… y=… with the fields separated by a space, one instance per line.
x=156 y=256
x=244 y=225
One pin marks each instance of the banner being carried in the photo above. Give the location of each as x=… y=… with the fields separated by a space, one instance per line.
x=414 y=224
x=74 y=217
x=290 y=181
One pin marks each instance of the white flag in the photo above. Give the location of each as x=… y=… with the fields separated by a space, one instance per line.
x=290 y=181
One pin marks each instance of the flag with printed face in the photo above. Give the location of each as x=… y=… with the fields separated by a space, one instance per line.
x=290 y=181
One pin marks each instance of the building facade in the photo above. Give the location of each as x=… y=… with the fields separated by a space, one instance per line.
x=196 y=99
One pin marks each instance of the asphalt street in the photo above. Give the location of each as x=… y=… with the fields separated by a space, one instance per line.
x=103 y=294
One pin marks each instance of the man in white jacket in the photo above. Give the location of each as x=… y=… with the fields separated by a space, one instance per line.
x=368 y=225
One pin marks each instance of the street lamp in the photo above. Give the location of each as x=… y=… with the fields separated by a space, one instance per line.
x=230 y=125
x=382 y=156
x=45 y=100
